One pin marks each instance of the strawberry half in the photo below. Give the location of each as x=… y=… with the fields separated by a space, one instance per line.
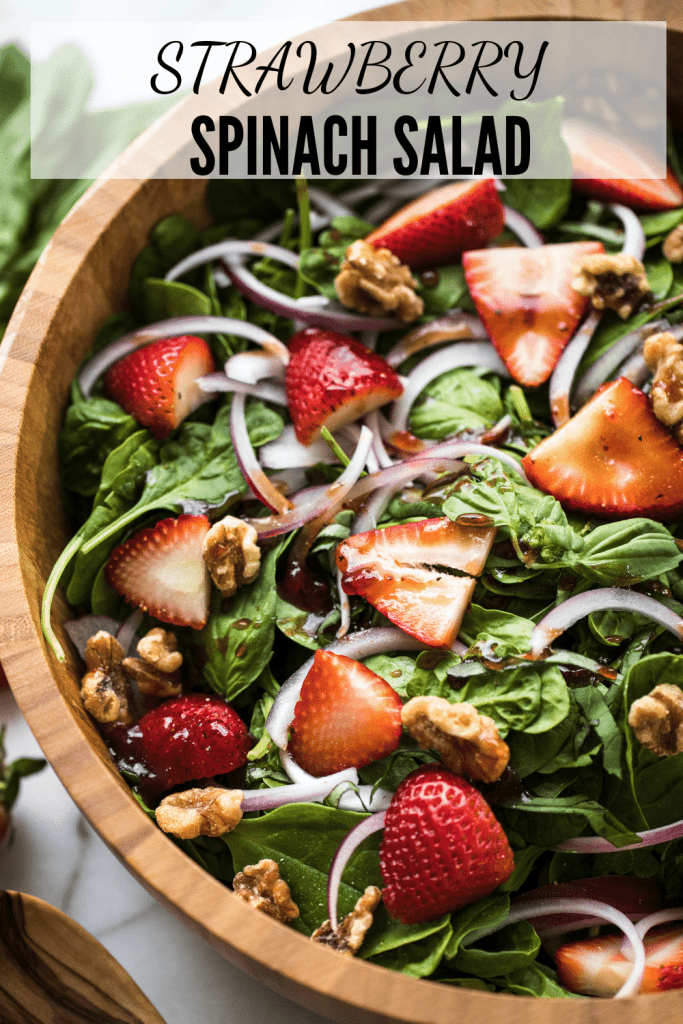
x=442 y=847
x=332 y=380
x=346 y=717
x=601 y=162
x=192 y=737
x=434 y=229
x=389 y=569
x=161 y=570
x=597 y=967
x=157 y=384
x=526 y=300
x=613 y=459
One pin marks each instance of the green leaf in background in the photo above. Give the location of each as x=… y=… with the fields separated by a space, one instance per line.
x=545 y=201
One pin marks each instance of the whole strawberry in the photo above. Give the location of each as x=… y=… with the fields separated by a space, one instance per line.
x=10 y=777
x=442 y=847
x=191 y=737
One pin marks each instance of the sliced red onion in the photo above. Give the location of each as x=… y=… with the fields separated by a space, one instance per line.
x=594 y=844
x=453 y=326
x=591 y=908
x=345 y=851
x=372 y=422
x=82 y=629
x=287 y=452
x=369 y=515
x=332 y=495
x=659 y=917
x=613 y=598
x=634 y=236
x=299 y=792
x=252 y=367
x=214 y=382
x=635 y=369
x=634 y=896
x=259 y=484
x=178 y=325
x=459 y=449
x=523 y=228
x=126 y=634
x=357 y=646
x=232 y=247
x=606 y=364
x=496 y=434
x=369 y=339
x=344 y=607
x=358 y=798
x=467 y=353
x=562 y=379
x=328 y=204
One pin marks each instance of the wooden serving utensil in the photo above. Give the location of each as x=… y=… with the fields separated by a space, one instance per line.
x=52 y=969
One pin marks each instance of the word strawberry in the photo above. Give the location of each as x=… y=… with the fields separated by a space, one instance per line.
x=442 y=847
x=192 y=737
x=613 y=459
x=526 y=300
x=157 y=384
x=434 y=229
x=597 y=967
x=333 y=380
x=604 y=168
x=346 y=717
x=161 y=570
x=389 y=569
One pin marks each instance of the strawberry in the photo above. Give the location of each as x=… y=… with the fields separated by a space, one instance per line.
x=157 y=384
x=434 y=229
x=192 y=737
x=332 y=380
x=389 y=569
x=161 y=570
x=597 y=967
x=346 y=717
x=526 y=300
x=605 y=168
x=613 y=459
x=442 y=847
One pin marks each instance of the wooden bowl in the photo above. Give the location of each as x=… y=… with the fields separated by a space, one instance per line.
x=80 y=280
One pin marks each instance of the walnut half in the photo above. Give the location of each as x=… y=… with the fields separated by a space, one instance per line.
x=374 y=281
x=657 y=719
x=200 y=812
x=672 y=246
x=347 y=937
x=105 y=688
x=261 y=887
x=231 y=554
x=468 y=743
x=157 y=670
x=612 y=281
x=664 y=357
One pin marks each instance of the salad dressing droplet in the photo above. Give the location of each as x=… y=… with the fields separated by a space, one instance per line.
x=474 y=519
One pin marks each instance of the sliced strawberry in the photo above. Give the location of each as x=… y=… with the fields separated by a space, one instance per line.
x=526 y=300
x=389 y=569
x=346 y=717
x=192 y=737
x=613 y=459
x=442 y=847
x=597 y=967
x=157 y=384
x=605 y=168
x=333 y=380
x=161 y=570
x=434 y=229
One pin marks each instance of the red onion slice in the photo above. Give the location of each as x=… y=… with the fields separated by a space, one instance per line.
x=358 y=798
x=178 y=325
x=287 y=452
x=298 y=793
x=214 y=382
x=232 y=247
x=344 y=607
x=454 y=326
x=631 y=895
x=614 y=598
x=523 y=228
x=251 y=367
x=634 y=236
x=659 y=917
x=595 y=844
x=371 y=421
x=345 y=851
x=259 y=484
x=328 y=204
x=635 y=369
x=562 y=379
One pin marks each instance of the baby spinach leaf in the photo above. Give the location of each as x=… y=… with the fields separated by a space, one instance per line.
x=660 y=223
x=164 y=299
x=543 y=201
x=448 y=291
x=591 y=700
x=535 y=980
x=509 y=949
x=418 y=957
x=546 y=821
x=529 y=698
x=627 y=552
x=485 y=913
x=92 y=430
x=387 y=935
x=495 y=633
x=456 y=401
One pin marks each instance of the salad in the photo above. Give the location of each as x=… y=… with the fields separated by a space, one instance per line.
x=377 y=567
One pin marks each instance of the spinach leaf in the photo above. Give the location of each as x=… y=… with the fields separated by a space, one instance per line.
x=413 y=949
x=543 y=201
x=535 y=980
x=485 y=913
x=494 y=633
x=547 y=821
x=509 y=949
x=623 y=553
x=459 y=400
x=92 y=430
x=529 y=698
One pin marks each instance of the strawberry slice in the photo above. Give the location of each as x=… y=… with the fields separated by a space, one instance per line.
x=526 y=300
x=613 y=459
x=192 y=737
x=161 y=570
x=597 y=967
x=389 y=569
x=434 y=229
x=157 y=384
x=333 y=380
x=346 y=717
x=442 y=847
x=604 y=168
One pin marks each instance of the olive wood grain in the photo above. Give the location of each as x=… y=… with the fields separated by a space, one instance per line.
x=81 y=278
x=51 y=969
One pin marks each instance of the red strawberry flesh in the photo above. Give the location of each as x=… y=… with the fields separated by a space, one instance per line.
x=436 y=228
x=613 y=459
x=332 y=380
x=597 y=966
x=346 y=717
x=442 y=847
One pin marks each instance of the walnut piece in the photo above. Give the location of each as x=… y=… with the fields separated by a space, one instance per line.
x=347 y=937
x=612 y=281
x=672 y=246
x=261 y=887
x=200 y=812
x=105 y=688
x=231 y=554
x=657 y=719
x=468 y=743
x=157 y=670
x=374 y=281
x=664 y=357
